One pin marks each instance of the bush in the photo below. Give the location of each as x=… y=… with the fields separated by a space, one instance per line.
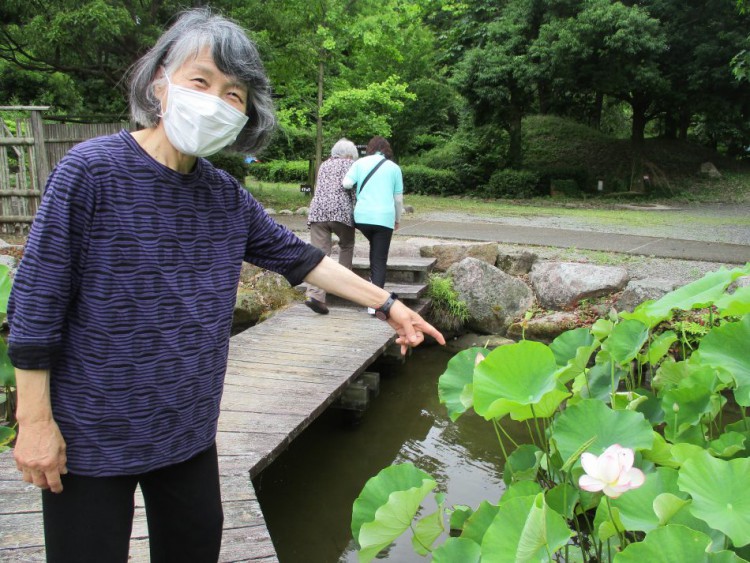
x=508 y=183
x=231 y=162
x=423 y=180
x=289 y=171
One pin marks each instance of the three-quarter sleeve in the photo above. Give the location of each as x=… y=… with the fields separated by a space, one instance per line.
x=49 y=271
x=276 y=248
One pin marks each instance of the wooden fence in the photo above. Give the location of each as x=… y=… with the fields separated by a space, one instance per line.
x=29 y=149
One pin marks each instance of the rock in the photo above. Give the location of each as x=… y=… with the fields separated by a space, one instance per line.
x=302 y=211
x=562 y=285
x=286 y=212
x=9 y=261
x=493 y=297
x=544 y=328
x=451 y=253
x=708 y=169
x=466 y=341
x=516 y=264
x=271 y=211
x=638 y=291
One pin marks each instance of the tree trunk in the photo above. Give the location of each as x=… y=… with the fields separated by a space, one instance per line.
x=319 y=122
x=515 y=150
x=597 y=110
x=639 y=105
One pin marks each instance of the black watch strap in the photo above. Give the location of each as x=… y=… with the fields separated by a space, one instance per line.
x=384 y=311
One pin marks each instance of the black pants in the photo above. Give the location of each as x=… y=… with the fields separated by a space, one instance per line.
x=92 y=519
x=380 y=243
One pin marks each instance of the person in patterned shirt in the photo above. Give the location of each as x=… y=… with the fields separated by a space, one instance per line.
x=331 y=212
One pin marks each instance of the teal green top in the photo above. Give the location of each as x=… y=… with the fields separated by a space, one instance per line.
x=376 y=203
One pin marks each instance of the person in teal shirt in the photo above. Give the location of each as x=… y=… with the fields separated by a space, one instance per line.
x=379 y=188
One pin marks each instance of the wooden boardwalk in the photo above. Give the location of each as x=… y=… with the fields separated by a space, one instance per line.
x=281 y=375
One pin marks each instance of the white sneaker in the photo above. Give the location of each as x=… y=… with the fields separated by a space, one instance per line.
x=371 y=311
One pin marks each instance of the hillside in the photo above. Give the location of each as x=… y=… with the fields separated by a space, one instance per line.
x=564 y=148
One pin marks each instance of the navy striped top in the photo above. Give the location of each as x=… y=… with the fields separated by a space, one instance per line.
x=126 y=293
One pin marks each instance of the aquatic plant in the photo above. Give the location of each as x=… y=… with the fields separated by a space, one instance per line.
x=633 y=451
x=7 y=373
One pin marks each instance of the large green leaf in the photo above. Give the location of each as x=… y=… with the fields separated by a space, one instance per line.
x=7 y=371
x=525 y=529
x=735 y=304
x=686 y=404
x=477 y=524
x=626 y=340
x=512 y=378
x=457 y=549
x=427 y=530
x=697 y=294
x=721 y=493
x=672 y=509
x=659 y=347
x=565 y=347
x=726 y=348
x=7 y=435
x=674 y=544
x=387 y=505
x=593 y=419
x=458 y=374
x=5 y=284
x=636 y=506
x=520 y=489
x=522 y=464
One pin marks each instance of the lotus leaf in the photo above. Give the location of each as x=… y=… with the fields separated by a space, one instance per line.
x=524 y=529
x=721 y=493
x=593 y=419
x=674 y=544
x=387 y=505
x=458 y=374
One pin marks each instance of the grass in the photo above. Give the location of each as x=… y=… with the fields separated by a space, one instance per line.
x=731 y=188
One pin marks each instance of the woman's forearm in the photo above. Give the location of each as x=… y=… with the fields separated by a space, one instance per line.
x=33 y=396
x=330 y=276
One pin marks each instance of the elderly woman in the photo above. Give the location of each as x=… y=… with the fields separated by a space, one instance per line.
x=331 y=212
x=121 y=311
x=379 y=188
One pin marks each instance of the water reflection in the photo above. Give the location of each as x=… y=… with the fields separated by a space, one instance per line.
x=307 y=493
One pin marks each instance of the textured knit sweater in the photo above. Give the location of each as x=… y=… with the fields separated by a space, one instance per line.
x=126 y=293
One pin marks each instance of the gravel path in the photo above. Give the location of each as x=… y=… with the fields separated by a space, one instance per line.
x=729 y=223
x=714 y=222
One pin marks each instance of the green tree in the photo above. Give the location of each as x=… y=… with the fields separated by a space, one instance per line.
x=612 y=50
x=92 y=41
x=499 y=76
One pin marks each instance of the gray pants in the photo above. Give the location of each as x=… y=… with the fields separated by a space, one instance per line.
x=320 y=237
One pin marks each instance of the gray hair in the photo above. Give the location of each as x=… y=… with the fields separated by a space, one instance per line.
x=345 y=148
x=234 y=54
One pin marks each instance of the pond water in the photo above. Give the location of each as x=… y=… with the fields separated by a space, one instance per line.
x=307 y=493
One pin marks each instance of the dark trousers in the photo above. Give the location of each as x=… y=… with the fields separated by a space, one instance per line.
x=92 y=519
x=380 y=243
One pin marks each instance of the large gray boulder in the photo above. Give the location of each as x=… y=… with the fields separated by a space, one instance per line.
x=493 y=297
x=638 y=291
x=451 y=253
x=562 y=285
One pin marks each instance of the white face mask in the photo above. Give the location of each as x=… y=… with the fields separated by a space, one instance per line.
x=199 y=124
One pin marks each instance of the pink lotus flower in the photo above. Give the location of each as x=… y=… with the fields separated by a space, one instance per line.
x=612 y=472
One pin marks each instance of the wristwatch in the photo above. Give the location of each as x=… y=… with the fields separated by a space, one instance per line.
x=384 y=311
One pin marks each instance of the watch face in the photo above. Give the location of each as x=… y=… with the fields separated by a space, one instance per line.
x=381 y=315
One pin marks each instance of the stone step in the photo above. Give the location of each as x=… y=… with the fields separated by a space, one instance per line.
x=406 y=292
x=401 y=269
